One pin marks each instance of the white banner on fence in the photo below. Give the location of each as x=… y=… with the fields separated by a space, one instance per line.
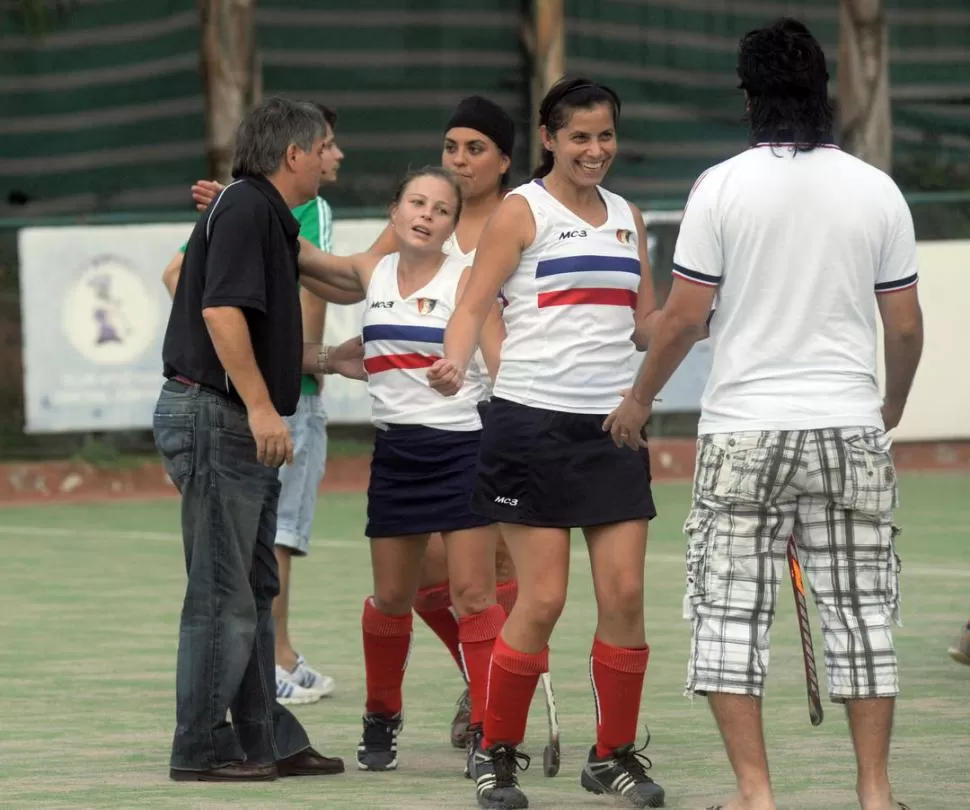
x=94 y=313
x=94 y=310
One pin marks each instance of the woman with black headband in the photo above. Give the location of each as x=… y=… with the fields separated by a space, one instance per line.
x=478 y=142
x=570 y=258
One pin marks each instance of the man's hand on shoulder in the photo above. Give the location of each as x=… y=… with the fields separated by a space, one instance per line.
x=204 y=192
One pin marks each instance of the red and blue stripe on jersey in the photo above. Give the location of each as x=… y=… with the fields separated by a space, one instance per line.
x=399 y=346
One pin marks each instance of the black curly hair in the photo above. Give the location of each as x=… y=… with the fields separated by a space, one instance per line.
x=782 y=69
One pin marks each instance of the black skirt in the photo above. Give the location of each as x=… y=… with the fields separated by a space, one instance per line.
x=552 y=469
x=421 y=481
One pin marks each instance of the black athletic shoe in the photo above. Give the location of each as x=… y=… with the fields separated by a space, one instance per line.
x=378 y=745
x=623 y=773
x=496 y=785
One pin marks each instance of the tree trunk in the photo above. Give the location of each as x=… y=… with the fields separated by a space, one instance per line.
x=231 y=76
x=864 y=107
x=545 y=40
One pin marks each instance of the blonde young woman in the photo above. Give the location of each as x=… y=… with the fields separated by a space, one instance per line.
x=425 y=450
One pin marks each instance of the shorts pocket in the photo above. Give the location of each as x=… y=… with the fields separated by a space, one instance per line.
x=870 y=475
x=175 y=439
x=744 y=475
x=893 y=568
x=699 y=530
x=707 y=466
x=736 y=467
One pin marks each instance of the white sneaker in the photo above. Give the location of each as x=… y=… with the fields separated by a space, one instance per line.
x=305 y=676
x=290 y=693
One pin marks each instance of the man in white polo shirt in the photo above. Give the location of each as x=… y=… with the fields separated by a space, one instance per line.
x=801 y=244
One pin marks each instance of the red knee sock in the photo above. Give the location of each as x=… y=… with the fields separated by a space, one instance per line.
x=512 y=680
x=506 y=593
x=477 y=633
x=617 y=678
x=433 y=605
x=387 y=644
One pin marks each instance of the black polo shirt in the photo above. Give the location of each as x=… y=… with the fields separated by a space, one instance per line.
x=242 y=253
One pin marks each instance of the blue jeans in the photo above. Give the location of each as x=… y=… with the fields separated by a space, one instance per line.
x=226 y=650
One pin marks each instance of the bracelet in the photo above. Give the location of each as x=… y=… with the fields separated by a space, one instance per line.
x=323 y=360
x=640 y=401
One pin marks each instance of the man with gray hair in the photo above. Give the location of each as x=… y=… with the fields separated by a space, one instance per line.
x=232 y=356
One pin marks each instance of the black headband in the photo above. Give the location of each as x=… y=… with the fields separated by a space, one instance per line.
x=477 y=112
x=562 y=95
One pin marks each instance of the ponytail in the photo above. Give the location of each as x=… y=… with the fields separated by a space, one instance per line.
x=545 y=164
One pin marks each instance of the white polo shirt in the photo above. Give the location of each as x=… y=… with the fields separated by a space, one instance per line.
x=797 y=246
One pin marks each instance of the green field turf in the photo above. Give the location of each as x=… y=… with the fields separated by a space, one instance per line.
x=89 y=605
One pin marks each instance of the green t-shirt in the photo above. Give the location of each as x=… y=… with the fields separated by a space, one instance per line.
x=316 y=226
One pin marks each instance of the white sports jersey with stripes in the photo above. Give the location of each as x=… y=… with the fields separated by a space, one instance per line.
x=798 y=246
x=402 y=338
x=570 y=312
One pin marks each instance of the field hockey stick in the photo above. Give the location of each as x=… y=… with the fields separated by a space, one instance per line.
x=550 y=755
x=805 y=629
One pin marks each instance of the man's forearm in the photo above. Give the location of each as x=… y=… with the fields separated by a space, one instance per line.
x=230 y=336
x=670 y=343
x=903 y=352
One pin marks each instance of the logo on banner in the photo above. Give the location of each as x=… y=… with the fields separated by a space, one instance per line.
x=109 y=315
x=426 y=305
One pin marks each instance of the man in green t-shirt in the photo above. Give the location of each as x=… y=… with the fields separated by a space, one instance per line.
x=296 y=681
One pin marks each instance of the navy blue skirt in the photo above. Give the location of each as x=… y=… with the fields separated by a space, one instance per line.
x=421 y=481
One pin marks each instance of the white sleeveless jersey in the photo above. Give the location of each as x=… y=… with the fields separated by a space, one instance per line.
x=477 y=371
x=402 y=338
x=570 y=313
x=454 y=251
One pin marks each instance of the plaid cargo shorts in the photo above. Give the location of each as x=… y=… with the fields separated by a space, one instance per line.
x=835 y=490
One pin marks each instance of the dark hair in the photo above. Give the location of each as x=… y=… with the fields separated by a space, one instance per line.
x=269 y=129
x=329 y=115
x=564 y=96
x=782 y=68
x=430 y=171
x=485 y=116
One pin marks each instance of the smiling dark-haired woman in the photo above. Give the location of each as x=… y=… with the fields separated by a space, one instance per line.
x=570 y=258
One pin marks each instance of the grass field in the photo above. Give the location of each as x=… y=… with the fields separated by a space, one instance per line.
x=89 y=605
